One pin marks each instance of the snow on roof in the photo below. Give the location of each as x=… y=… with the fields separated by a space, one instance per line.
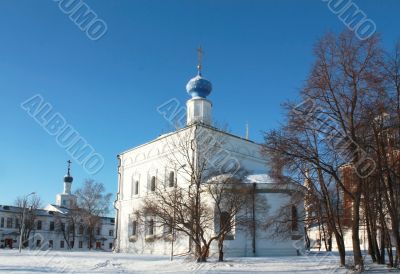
x=250 y=179
x=259 y=179
x=56 y=208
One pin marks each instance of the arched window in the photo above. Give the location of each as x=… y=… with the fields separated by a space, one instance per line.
x=224 y=222
x=294 y=224
x=136 y=187
x=134 y=228
x=226 y=225
x=132 y=188
x=150 y=227
x=171 y=179
x=153 y=183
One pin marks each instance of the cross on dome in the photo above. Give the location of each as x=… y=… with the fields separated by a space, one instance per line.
x=199 y=86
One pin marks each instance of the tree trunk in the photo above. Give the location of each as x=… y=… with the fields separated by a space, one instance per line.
x=358 y=260
x=341 y=248
x=382 y=247
x=221 y=250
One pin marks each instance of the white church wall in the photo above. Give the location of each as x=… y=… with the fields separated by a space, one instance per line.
x=153 y=159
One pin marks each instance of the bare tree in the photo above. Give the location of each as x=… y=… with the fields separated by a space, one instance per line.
x=345 y=136
x=295 y=156
x=67 y=224
x=232 y=198
x=198 y=153
x=28 y=215
x=93 y=203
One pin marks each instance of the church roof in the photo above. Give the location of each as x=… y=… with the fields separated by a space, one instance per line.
x=260 y=179
x=185 y=128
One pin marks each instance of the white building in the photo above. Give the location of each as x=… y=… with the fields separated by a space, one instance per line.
x=142 y=167
x=50 y=224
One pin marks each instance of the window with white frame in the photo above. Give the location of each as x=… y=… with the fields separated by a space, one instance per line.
x=134 y=227
x=137 y=187
x=150 y=227
x=133 y=188
x=226 y=223
x=9 y=222
x=153 y=183
x=168 y=228
x=171 y=179
x=294 y=224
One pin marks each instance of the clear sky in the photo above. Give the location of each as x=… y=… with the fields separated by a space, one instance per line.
x=257 y=55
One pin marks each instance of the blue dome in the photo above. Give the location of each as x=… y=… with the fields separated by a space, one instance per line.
x=199 y=87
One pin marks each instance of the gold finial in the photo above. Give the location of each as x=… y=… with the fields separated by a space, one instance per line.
x=199 y=60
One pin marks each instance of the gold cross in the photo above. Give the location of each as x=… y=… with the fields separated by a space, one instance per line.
x=199 y=59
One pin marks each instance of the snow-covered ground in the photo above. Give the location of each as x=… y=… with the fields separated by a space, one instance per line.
x=102 y=262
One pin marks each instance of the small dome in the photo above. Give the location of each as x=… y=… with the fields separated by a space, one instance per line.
x=199 y=87
x=68 y=178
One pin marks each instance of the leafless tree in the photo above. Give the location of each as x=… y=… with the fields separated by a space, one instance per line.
x=199 y=155
x=29 y=206
x=67 y=224
x=330 y=131
x=93 y=203
x=232 y=198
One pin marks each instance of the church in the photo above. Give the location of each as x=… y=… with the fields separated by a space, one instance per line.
x=160 y=163
x=50 y=227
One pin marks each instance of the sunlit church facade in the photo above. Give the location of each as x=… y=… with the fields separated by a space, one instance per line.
x=144 y=166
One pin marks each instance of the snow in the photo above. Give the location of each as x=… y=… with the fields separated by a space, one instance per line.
x=104 y=262
x=259 y=179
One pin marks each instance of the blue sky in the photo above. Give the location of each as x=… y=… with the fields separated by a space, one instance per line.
x=257 y=55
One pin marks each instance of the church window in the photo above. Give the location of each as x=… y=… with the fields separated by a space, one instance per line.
x=111 y=232
x=16 y=223
x=80 y=229
x=51 y=226
x=2 y=222
x=136 y=187
x=171 y=179
x=294 y=223
x=110 y=245
x=39 y=225
x=97 y=230
x=9 y=222
x=80 y=244
x=225 y=223
x=168 y=228
x=50 y=243
x=150 y=227
x=153 y=183
x=61 y=244
x=134 y=228
x=38 y=242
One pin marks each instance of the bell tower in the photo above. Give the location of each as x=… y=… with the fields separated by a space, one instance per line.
x=66 y=199
x=198 y=107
